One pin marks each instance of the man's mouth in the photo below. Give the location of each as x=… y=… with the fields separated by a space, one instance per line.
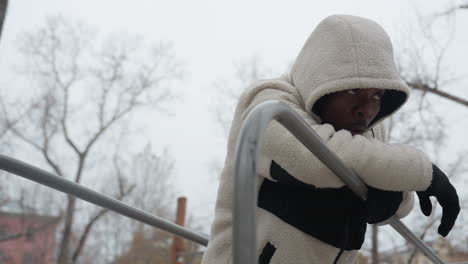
x=357 y=129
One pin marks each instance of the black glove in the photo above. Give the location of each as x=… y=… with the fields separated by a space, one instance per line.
x=447 y=196
x=381 y=205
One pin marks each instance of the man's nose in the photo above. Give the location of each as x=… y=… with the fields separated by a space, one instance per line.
x=367 y=109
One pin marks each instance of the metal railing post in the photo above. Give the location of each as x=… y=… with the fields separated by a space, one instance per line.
x=245 y=179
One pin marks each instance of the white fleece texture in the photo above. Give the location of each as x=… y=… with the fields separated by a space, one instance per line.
x=343 y=52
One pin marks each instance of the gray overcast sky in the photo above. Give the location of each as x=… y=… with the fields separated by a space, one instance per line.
x=208 y=36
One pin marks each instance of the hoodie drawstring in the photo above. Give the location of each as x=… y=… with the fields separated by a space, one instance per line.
x=345 y=241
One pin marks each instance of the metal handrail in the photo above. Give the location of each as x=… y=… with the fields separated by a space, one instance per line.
x=245 y=180
x=63 y=185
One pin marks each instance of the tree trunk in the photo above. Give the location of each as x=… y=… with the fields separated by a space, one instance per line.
x=375 y=244
x=63 y=257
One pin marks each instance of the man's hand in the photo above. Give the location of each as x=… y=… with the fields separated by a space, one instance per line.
x=443 y=190
x=381 y=205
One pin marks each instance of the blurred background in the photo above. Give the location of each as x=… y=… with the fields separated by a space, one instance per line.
x=134 y=99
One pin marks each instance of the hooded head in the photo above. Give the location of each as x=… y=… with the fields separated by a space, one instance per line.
x=347 y=52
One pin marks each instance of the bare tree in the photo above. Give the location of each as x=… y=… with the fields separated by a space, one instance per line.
x=150 y=176
x=82 y=94
x=245 y=73
x=228 y=91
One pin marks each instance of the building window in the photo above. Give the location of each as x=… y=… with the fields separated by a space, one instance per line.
x=29 y=234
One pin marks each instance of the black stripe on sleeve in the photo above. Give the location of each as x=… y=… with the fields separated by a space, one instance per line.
x=267 y=254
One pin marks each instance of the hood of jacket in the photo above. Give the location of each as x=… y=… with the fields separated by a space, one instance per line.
x=348 y=52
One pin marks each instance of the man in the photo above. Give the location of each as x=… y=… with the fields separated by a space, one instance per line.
x=344 y=83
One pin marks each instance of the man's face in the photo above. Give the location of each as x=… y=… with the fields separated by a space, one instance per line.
x=352 y=110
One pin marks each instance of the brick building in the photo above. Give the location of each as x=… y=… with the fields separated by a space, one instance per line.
x=27 y=238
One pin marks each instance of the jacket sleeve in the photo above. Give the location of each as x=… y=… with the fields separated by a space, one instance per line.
x=393 y=167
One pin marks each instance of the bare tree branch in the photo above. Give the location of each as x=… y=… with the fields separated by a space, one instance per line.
x=452 y=10
x=424 y=71
x=458 y=166
x=245 y=72
x=63 y=122
x=426 y=88
x=43 y=149
x=8 y=124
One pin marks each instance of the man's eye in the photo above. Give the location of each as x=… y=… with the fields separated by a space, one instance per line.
x=352 y=91
x=377 y=97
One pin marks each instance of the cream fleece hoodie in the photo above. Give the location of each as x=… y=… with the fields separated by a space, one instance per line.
x=343 y=52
